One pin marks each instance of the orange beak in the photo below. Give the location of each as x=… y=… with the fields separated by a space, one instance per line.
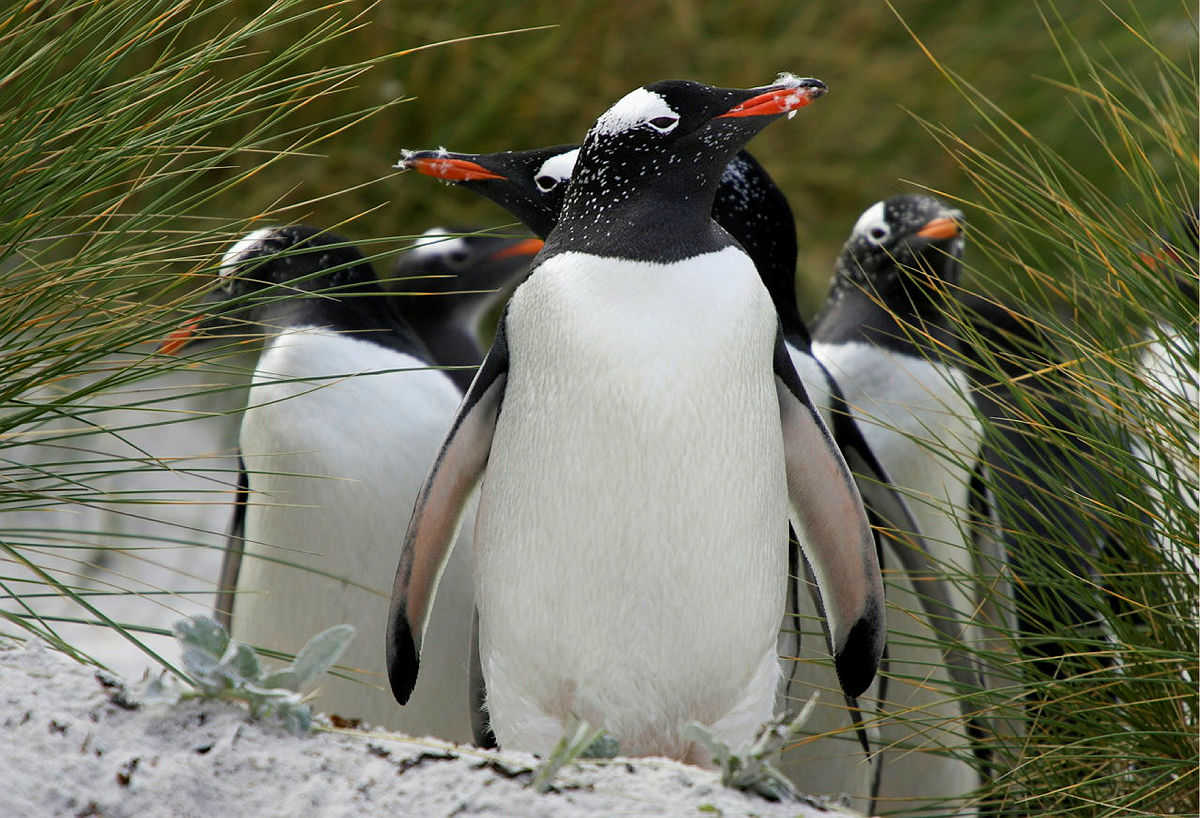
x=528 y=247
x=451 y=170
x=778 y=101
x=944 y=228
x=179 y=338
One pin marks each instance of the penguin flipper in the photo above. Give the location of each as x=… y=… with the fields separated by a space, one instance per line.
x=235 y=544
x=437 y=516
x=837 y=537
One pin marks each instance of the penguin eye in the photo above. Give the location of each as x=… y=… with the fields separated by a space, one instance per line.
x=877 y=234
x=546 y=183
x=458 y=257
x=663 y=124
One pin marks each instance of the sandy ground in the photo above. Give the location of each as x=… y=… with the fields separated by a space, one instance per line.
x=77 y=743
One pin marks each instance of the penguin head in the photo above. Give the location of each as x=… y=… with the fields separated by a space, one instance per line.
x=528 y=184
x=274 y=268
x=275 y=278
x=682 y=132
x=903 y=241
x=467 y=269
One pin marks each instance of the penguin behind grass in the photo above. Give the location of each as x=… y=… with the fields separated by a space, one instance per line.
x=344 y=416
x=885 y=336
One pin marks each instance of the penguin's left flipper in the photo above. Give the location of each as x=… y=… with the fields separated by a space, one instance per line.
x=438 y=514
x=235 y=544
x=837 y=538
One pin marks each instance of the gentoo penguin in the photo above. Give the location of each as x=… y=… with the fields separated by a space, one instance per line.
x=343 y=418
x=456 y=276
x=885 y=336
x=617 y=543
x=749 y=205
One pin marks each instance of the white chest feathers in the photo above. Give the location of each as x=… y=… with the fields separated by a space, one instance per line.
x=632 y=520
x=918 y=418
x=337 y=443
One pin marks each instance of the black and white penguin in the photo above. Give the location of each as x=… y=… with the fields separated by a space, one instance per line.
x=749 y=205
x=886 y=337
x=642 y=328
x=343 y=417
x=457 y=276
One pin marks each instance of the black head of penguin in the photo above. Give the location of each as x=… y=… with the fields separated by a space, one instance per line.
x=277 y=278
x=447 y=283
x=906 y=254
x=656 y=158
x=528 y=184
x=459 y=267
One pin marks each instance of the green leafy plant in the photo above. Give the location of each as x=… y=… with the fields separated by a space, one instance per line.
x=578 y=741
x=223 y=668
x=751 y=769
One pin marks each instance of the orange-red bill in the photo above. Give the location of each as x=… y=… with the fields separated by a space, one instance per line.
x=451 y=170
x=179 y=338
x=528 y=247
x=778 y=101
x=943 y=228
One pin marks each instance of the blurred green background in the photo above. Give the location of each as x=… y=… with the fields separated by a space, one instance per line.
x=862 y=142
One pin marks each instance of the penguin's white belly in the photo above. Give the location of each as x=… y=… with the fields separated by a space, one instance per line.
x=632 y=520
x=1176 y=389
x=335 y=466
x=917 y=417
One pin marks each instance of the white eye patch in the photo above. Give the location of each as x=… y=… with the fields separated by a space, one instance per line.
x=872 y=224
x=436 y=241
x=242 y=248
x=635 y=108
x=555 y=170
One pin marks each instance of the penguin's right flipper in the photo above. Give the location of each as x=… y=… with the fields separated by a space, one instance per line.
x=837 y=537
x=235 y=544
x=456 y=472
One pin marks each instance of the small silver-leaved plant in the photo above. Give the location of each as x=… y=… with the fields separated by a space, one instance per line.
x=223 y=668
x=751 y=769
x=578 y=741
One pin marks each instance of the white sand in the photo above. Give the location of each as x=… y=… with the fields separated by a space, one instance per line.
x=74 y=746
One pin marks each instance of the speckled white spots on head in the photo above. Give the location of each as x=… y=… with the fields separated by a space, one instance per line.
x=633 y=109
x=242 y=248
x=437 y=241
x=557 y=168
x=872 y=224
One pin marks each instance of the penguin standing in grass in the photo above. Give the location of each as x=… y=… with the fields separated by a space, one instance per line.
x=885 y=336
x=531 y=185
x=343 y=418
x=638 y=431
